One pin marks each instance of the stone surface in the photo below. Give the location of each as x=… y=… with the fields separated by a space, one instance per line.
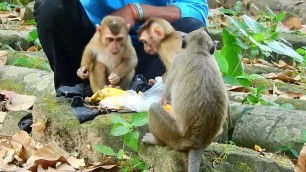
x=10 y=123
x=270 y=127
x=216 y=158
x=16 y=39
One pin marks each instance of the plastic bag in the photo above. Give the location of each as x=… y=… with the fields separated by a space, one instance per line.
x=131 y=101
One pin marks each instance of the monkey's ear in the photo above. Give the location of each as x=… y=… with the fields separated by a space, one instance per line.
x=213 y=47
x=128 y=26
x=158 y=31
x=98 y=27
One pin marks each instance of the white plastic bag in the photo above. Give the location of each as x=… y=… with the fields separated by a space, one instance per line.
x=131 y=101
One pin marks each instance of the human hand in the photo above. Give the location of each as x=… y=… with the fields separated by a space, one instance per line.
x=83 y=72
x=126 y=13
x=114 y=78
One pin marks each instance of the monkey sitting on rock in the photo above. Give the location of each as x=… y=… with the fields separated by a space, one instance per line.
x=196 y=91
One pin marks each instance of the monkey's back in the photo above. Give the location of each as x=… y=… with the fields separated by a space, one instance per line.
x=198 y=96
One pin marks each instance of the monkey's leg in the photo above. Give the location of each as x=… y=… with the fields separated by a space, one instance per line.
x=164 y=127
x=194 y=160
x=97 y=76
x=126 y=80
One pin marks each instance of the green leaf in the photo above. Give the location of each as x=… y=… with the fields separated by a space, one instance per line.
x=230 y=80
x=238 y=24
x=232 y=52
x=238 y=6
x=222 y=62
x=301 y=51
x=281 y=48
x=226 y=11
x=304 y=136
x=259 y=37
x=294 y=152
x=255 y=76
x=244 y=80
x=131 y=139
x=280 y=16
x=253 y=25
x=270 y=11
x=260 y=89
x=139 y=119
x=23 y=62
x=283 y=148
x=252 y=98
x=120 y=154
x=33 y=35
x=119 y=130
x=116 y=119
x=138 y=164
x=126 y=169
x=287 y=106
x=104 y=149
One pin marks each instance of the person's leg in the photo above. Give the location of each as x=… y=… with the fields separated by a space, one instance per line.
x=64 y=30
x=150 y=65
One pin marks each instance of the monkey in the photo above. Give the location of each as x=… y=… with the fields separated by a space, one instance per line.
x=159 y=37
x=195 y=89
x=109 y=57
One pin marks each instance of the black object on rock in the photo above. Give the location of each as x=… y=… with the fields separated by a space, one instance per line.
x=26 y=122
x=82 y=112
x=139 y=83
x=82 y=90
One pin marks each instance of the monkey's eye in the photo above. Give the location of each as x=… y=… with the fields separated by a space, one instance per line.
x=120 y=39
x=110 y=39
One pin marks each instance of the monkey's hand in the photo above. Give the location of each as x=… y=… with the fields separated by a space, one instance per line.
x=114 y=78
x=149 y=138
x=83 y=72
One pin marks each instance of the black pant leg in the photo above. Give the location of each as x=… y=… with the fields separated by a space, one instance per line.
x=151 y=65
x=64 y=29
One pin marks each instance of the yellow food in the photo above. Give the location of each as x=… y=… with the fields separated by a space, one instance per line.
x=168 y=108
x=105 y=93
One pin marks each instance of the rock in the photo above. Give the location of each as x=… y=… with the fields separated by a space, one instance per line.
x=26 y=13
x=15 y=39
x=10 y=123
x=217 y=157
x=270 y=127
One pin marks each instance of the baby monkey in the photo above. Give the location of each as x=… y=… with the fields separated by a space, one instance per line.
x=196 y=91
x=109 y=57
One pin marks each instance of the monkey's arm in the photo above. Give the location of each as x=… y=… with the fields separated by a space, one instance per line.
x=87 y=57
x=127 y=64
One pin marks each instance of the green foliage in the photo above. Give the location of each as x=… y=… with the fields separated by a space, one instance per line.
x=304 y=136
x=33 y=37
x=3 y=6
x=288 y=149
x=32 y=62
x=130 y=135
x=255 y=97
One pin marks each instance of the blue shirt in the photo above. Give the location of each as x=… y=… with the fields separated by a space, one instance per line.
x=97 y=9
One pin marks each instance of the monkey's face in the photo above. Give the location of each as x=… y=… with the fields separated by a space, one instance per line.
x=114 y=42
x=149 y=44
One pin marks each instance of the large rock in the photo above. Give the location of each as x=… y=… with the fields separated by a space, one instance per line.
x=217 y=157
x=15 y=39
x=270 y=127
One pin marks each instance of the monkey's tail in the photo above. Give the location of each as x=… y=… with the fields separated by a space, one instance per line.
x=194 y=160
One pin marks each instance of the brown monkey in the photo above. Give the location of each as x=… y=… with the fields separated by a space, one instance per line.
x=159 y=37
x=109 y=57
x=196 y=91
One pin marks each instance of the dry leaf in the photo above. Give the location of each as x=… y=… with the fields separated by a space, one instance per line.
x=258 y=149
x=49 y=155
x=285 y=78
x=270 y=76
x=239 y=89
x=65 y=167
x=32 y=49
x=293 y=95
x=264 y=62
x=301 y=165
x=21 y=102
x=294 y=23
x=303 y=29
x=38 y=127
x=27 y=142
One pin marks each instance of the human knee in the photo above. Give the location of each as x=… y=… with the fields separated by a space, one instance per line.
x=193 y=24
x=48 y=9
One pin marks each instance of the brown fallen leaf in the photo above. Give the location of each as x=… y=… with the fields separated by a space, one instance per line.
x=65 y=167
x=300 y=166
x=48 y=156
x=293 y=94
x=38 y=127
x=21 y=102
x=239 y=89
x=27 y=142
x=293 y=23
x=287 y=79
